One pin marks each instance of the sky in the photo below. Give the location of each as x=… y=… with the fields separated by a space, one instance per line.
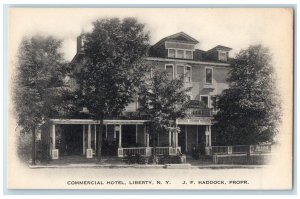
x=235 y=28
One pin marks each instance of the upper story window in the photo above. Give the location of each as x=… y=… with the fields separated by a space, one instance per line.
x=188 y=54
x=170 y=71
x=205 y=100
x=188 y=74
x=184 y=72
x=223 y=56
x=208 y=75
x=172 y=53
x=180 y=71
x=180 y=53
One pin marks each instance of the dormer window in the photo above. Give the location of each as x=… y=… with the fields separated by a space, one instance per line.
x=172 y=53
x=222 y=56
x=188 y=54
x=180 y=54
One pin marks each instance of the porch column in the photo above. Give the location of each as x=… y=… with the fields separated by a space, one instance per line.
x=186 y=138
x=147 y=138
x=209 y=136
x=206 y=136
x=120 y=136
x=170 y=139
x=176 y=139
x=83 y=140
x=106 y=131
x=115 y=136
x=53 y=136
x=136 y=133
x=54 y=151
x=89 y=136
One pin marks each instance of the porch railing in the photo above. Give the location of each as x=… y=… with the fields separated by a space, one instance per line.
x=200 y=112
x=148 y=151
x=240 y=149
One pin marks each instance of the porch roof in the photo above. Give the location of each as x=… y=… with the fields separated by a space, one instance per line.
x=199 y=121
x=89 y=121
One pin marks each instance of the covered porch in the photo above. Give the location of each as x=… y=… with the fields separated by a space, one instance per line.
x=127 y=137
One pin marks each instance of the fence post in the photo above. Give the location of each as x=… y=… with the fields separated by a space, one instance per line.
x=120 y=153
x=229 y=150
x=148 y=151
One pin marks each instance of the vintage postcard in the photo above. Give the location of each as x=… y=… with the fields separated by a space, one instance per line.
x=150 y=98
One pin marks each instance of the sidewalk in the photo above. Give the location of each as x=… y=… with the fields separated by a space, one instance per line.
x=143 y=166
x=113 y=162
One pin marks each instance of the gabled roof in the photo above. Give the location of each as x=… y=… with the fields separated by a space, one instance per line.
x=181 y=36
x=219 y=47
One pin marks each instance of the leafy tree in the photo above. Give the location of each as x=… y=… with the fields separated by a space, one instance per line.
x=163 y=101
x=250 y=108
x=113 y=69
x=39 y=85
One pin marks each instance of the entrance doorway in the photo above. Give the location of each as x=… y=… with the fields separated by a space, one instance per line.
x=70 y=140
x=128 y=136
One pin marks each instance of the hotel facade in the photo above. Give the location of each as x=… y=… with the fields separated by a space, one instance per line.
x=204 y=71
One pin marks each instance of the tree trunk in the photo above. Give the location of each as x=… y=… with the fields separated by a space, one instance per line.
x=100 y=140
x=33 y=147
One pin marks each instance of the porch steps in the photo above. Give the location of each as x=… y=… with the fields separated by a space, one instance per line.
x=177 y=166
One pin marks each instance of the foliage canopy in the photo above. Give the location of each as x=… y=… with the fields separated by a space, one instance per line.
x=250 y=108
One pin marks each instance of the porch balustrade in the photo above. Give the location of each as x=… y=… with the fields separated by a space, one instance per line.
x=200 y=112
x=148 y=151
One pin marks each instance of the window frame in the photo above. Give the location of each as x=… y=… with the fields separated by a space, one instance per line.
x=177 y=69
x=190 y=73
x=174 y=53
x=172 y=68
x=222 y=52
x=184 y=53
x=184 y=72
x=191 y=54
x=212 y=74
x=208 y=100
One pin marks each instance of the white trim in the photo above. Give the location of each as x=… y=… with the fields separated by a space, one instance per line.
x=212 y=75
x=169 y=52
x=184 y=53
x=173 y=69
x=191 y=52
x=186 y=61
x=174 y=42
x=221 y=51
x=177 y=70
x=177 y=49
x=88 y=121
x=208 y=100
x=185 y=66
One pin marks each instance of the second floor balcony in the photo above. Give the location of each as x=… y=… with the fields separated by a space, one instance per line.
x=199 y=109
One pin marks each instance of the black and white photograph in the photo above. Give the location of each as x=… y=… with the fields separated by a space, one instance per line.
x=150 y=98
